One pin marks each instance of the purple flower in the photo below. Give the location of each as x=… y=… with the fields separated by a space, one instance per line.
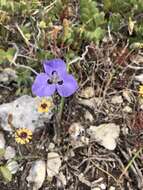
x=54 y=78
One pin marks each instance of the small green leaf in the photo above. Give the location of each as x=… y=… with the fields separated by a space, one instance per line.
x=7 y=175
x=6 y=55
x=42 y=24
x=2 y=152
x=2 y=53
x=3 y=2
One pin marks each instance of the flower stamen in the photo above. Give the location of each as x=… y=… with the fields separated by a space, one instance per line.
x=55 y=79
x=45 y=105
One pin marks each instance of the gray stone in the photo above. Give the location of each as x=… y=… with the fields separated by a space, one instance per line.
x=23 y=113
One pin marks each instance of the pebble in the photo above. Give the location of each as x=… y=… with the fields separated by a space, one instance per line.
x=105 y=134
x=96 y=188
x=51 y=147
x=117 y=100
x=37 y=174
x=102 y=186
x=112 y=188
x=9 y=153
x=91 y=103
x=127 y=109
x=53 y=164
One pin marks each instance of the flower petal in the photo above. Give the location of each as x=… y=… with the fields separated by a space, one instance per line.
x=54 y=65
x=40 y=86
x=68 y=87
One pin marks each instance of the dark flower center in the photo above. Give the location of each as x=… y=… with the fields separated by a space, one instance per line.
x=55 y=79
x=23 y=135
x=44 y=105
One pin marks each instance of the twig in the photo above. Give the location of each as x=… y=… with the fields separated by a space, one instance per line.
x=61 y=108
x=130 y=163
x=49 y=7
x=109 y=32
x=27 y=57
x=6 y=87
x=134 y=67
x=22 y=34
x=79 y=58
x=18 y=65
x=104 y=171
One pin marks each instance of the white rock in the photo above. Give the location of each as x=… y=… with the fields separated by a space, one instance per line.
x=88 y=92
x=62 y=178
x=102 y=186
x=53 y=164
x=7 y=75
x=24 y=114
x=51 y=147
x=112 y=188
x=13 y=166
x=2 y=141
x=92 y=102
x=117 y=100
x=37 y=174
x=139 y=78
x=127 y=109
x=125 y=130
x=9 y=153
x=95 y=188
x=105 y=134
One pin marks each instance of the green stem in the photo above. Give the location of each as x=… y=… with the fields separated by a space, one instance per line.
x=60 y=113
x=19 y=158
x=62 y=103
x=61 y=108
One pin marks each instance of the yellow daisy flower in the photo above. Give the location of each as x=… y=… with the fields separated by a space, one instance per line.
x=45 y=105
x=141 y=90
x=23 y=135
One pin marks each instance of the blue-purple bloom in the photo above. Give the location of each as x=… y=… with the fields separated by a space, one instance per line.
x=54 y=78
